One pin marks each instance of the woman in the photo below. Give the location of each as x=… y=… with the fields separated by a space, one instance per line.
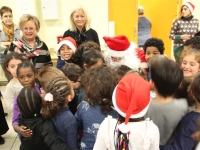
x=80 y=27
x=183 y=29
x=8 y=32
x=30 y=44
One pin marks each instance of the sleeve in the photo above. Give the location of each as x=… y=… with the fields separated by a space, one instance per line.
x=48 y=56
x=155 y=143
x=100 y=143
x=96 y=38
x=15 y=118
x=51 y=138
x=9 y=96
x=174 y=30
x=79 y=116
x=66 y=34
x=71 y=132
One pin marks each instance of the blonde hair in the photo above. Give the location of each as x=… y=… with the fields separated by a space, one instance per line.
x=27 y=17
x=87 y=21
x=191 y=51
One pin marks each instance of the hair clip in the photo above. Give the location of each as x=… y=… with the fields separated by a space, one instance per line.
x=48 y=97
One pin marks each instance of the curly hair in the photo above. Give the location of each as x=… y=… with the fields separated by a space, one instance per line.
x=60 y=88
x=122 y=70
x=72 y=71
x=77 y=57
x=102 y=82
x=191 y=51
x=155 y=42
x=194 y=42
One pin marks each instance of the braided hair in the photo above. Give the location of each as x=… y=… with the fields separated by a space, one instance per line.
x=60 y=88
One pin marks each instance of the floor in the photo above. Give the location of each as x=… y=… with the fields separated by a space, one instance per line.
x=12 y=142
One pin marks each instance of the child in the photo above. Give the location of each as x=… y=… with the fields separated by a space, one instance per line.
x=153 y=46
x=44 y=137
x=164 y=110
x=65 y=49
x=190 y=62
x=188 y=124
x=26 y=76
x=14 y=86
x=194 y=42
x=73 y=73
x=55 y=107
x=90 y=113
x=131 y=99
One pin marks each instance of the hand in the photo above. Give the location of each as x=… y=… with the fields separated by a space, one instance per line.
x=196 y=136
x=185 y=37
x=24 y=131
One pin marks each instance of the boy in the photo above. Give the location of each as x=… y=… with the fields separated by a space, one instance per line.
x=64 y=50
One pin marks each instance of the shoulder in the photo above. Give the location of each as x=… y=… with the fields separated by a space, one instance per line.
x=91 y=31
x=181 y=102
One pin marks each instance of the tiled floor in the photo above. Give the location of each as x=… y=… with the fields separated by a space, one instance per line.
x=12 y=142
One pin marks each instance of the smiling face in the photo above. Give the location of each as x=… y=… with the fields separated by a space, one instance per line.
x=7 y=18
x=79 y=18
x=190 y=66
x=26 y=77
x=29 y=31
x=12 y=66
x=66 y=52
x=185 y=11
x=150 y=52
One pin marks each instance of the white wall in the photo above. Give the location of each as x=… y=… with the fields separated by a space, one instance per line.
x=97 y=9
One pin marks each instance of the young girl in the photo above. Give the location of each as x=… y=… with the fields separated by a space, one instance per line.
x=90 y=113
x=190 y=62
x=55 y=107
x=131 y=98
x=26 y=76
x=44 y=137
x=13 y=87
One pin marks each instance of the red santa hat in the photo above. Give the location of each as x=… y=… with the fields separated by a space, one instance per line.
x=190 y=6
x=131 y=98
x=69 y=42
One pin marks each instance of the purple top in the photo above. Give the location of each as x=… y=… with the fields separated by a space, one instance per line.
x=16 y=112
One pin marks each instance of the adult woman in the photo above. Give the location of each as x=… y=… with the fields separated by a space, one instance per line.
x=30 y=44
x=8 y=32
x=183 y=29
x=80 y=27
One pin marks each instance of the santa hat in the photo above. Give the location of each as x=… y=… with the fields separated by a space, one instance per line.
x=69 y=42
x=131 y=98
x=190 y=6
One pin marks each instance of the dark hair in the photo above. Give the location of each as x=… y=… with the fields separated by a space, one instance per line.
x=77 y=57
x=26 y=64
x=194 y=89
x=5 y=9
x=72 y=71
x=155 y=42
x=60 y=88
x=166 y=75
x=122 y=70
x=29 y=102
x=193 y=42
x=91 y=57
x=102 y=82
x=13 y=55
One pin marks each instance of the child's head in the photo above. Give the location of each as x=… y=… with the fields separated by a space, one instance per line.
x=101 y=83
x=59 y=92
x=29 y=102
x=11 y=62
x=73 y=72
x=48 y=73
x=153 y=46
x=190 y=62
x=194 y=89
x=66 y=48
x=77 y=57
x=193 y=42
x=92 y=58
x=166 y=75
x=26 y=74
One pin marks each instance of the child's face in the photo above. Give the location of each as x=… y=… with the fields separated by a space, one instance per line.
x=150 y=52
x=12 y=66
x=26 y=77
x=190 y=66
x=66 y=52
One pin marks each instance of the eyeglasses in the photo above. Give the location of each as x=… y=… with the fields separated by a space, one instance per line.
x=28 y=29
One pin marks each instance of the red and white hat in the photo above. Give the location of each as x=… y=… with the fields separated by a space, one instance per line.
x=190 y=6
x=131 y=98
x=69 y=42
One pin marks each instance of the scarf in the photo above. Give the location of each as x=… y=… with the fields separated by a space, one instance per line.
x=81 y=37
x=9 y=32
